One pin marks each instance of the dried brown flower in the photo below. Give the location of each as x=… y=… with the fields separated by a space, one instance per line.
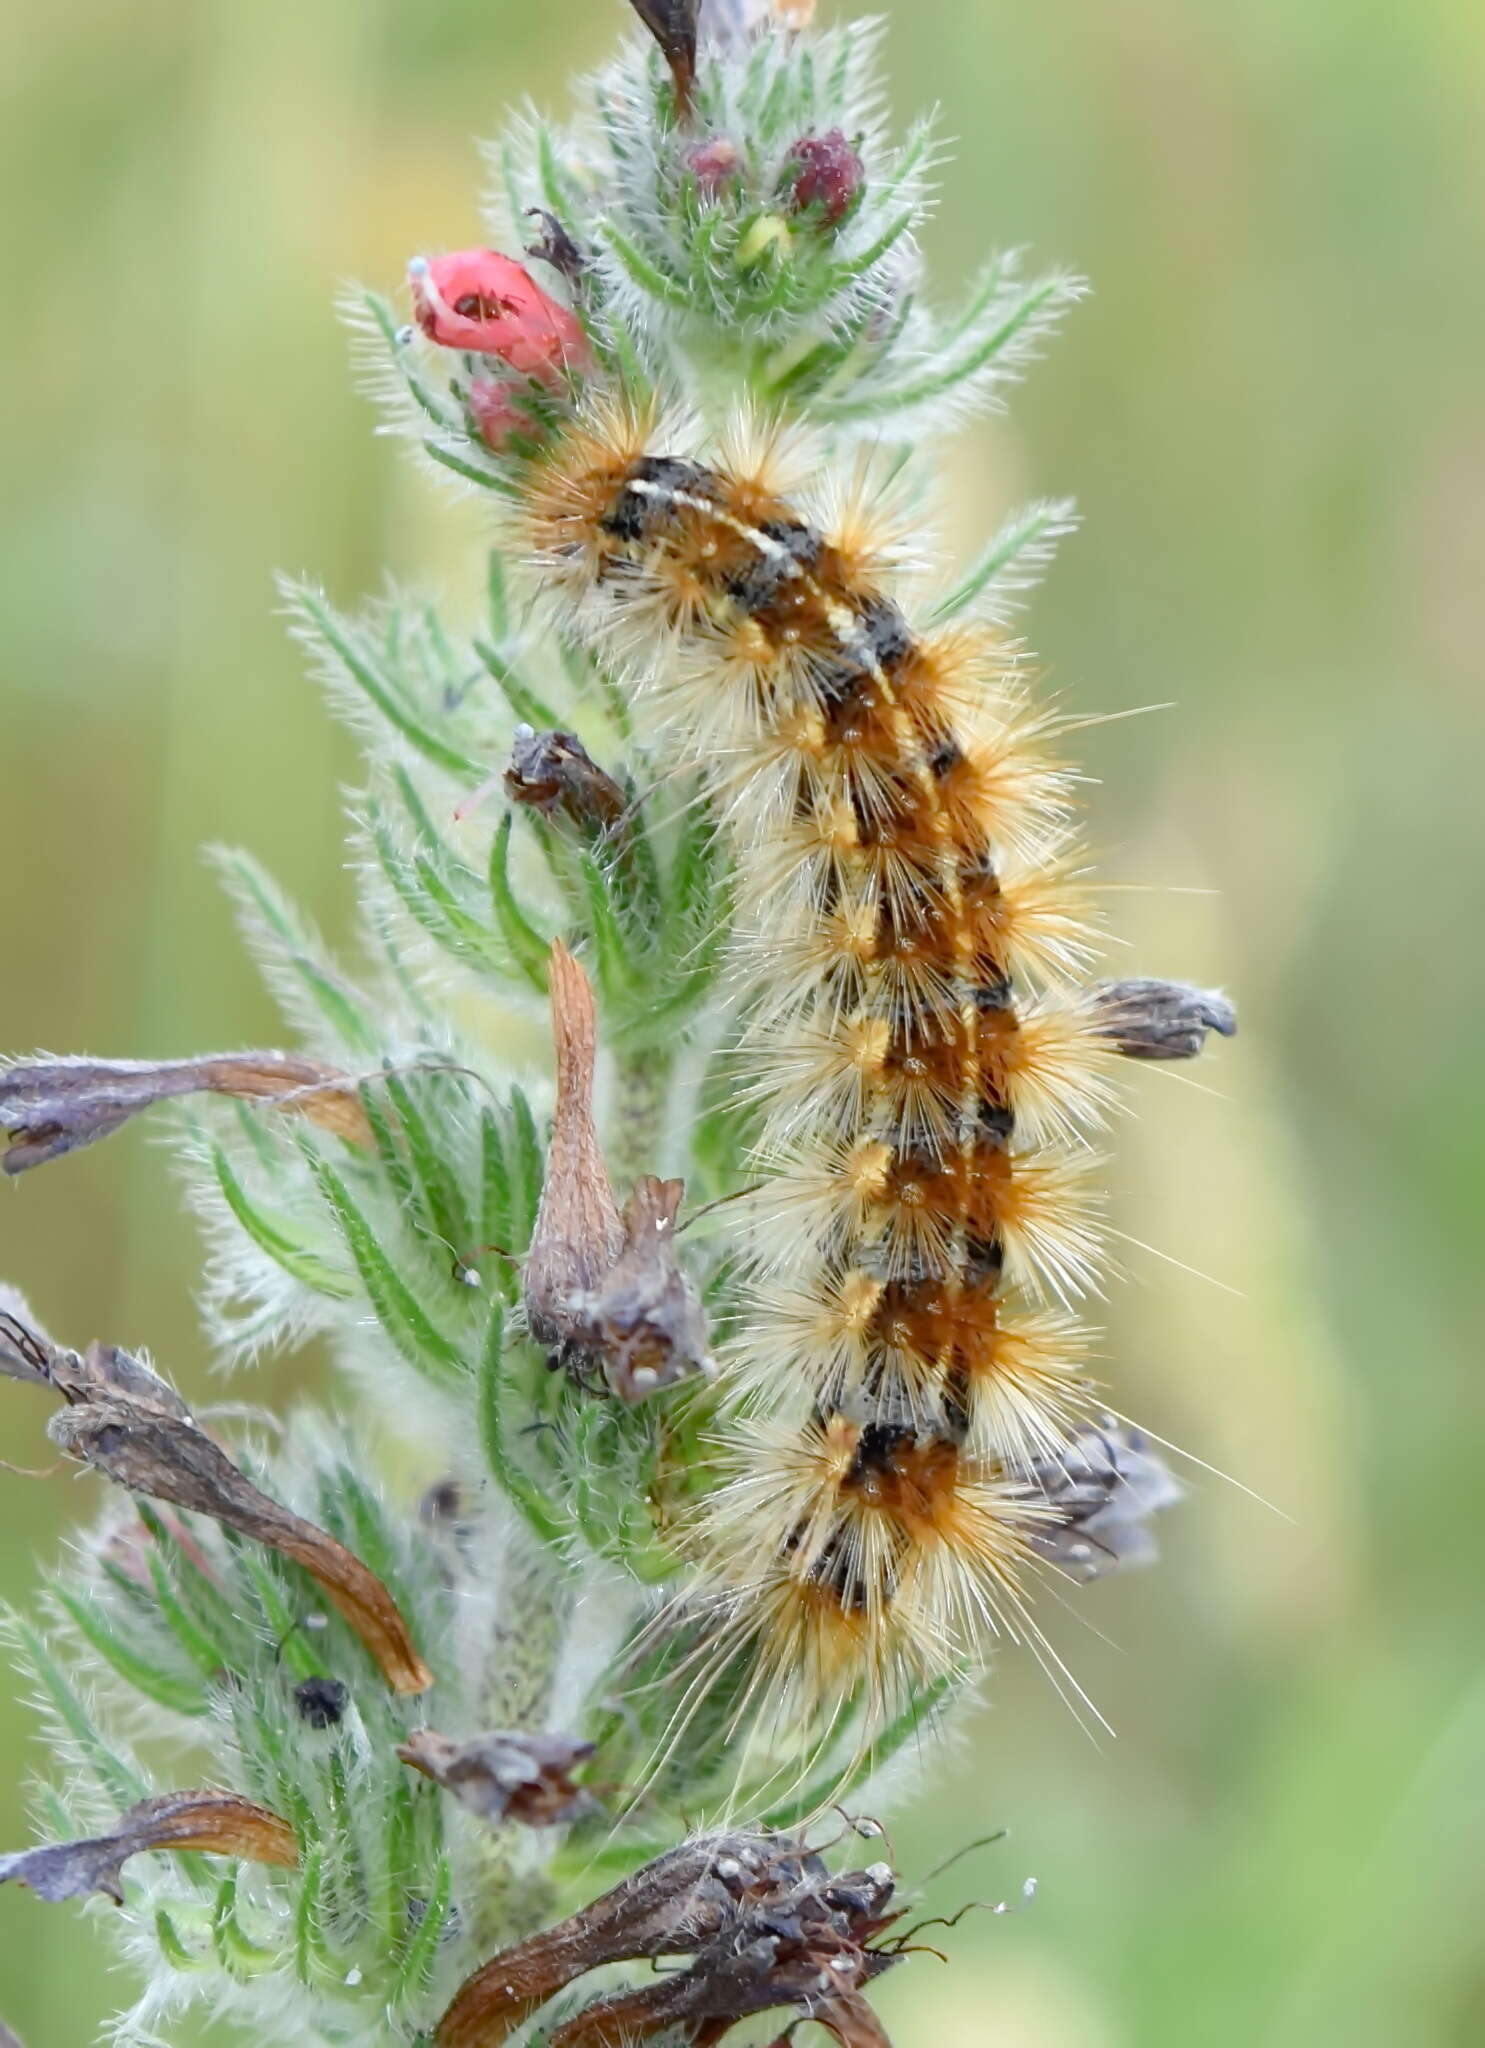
x=676 y=1905
x=507 y=1775
x=556 y=246
x=553 y=771
x=216 y=1823
x=1162 y=1020
x=124 y=1421
x=1102 y=1488
x=52 y=1106
x=644 y=1321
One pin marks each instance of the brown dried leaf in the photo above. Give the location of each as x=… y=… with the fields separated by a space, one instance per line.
x=553 y=771
x=52 y=1106
x=506 y=1775
x=215 y=1823
x=644 y=1321
x=125 y=1422
x=1162 y=1020
x=578 y=1234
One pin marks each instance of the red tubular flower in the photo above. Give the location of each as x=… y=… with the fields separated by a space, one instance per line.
x=479 y=300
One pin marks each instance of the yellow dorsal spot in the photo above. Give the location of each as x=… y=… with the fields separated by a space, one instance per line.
x=859 y=1294
x=867 y=1167
x=866 y=1041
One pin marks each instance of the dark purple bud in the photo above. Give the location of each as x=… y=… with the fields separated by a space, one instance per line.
x=827 y=176
x=321 y=1702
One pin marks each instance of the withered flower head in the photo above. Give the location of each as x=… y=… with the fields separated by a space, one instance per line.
x=1162 y=1020
x=673 y=1906
x=213 y=1823
x=808 y=1945
x=553 y=771
x=52 y=1106
x=556 y=246
x=1102 y=1489
x=124 y=1421
x=644 y=1321
x=507 y=1775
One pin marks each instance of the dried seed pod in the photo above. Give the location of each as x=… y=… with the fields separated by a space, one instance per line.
x=52 y=1106
x=578 y=1234
x=673 y=25
x=508 y=1775
x=1162 y=1020
x=602 y=1291
x=125 y=1422
x=213 y=1823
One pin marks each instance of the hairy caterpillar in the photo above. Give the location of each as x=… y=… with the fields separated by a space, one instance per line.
x=927 y=1062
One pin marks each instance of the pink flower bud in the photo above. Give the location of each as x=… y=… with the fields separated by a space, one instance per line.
x=499 y=413
x=479 y=300
x=828 y=174
x=713 y=164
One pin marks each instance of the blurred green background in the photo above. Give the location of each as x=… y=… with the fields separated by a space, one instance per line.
x=1273 y=414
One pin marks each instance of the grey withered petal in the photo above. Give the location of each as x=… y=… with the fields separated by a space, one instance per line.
x=215 y=1823
x=1103 y=1488
x=1162 y=1020
x=52 y=1106
x=506 y=1775
x=25 y=1348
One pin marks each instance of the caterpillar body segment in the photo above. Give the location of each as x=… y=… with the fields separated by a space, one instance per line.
x=926 y=1059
